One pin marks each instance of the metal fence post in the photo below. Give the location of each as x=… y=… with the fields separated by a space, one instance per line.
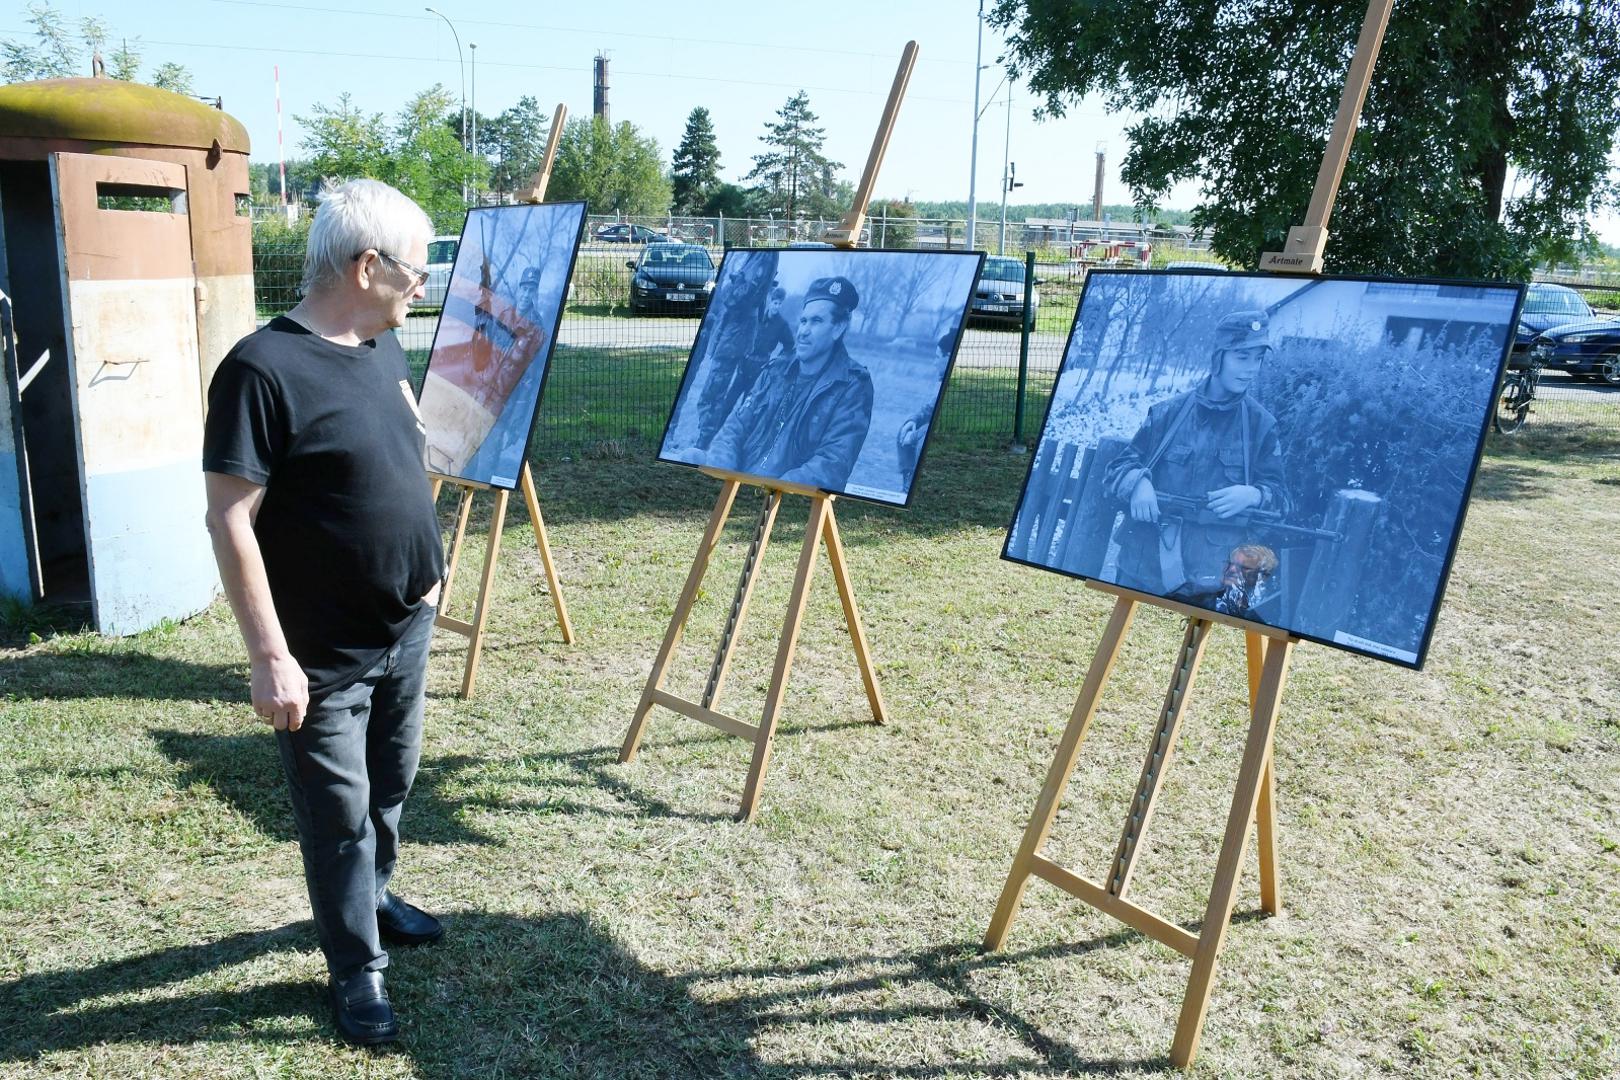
x=1025 y=328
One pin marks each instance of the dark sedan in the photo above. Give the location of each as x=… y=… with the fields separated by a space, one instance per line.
x=627 y=234
x=1585 y=347
x=1546 y=306
x=671 y=278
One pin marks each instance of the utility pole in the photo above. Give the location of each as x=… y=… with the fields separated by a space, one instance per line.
x=472 y=47
x=1009 y=174
x=973 y=163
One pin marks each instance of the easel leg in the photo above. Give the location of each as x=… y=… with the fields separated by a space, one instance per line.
x=1266 y=816
x=852 y=616
x=677 y=621
x=436 y=485
x=820 y=506
x=462 y=513
x=544 y=543
x=1133 y=836
x=1057 y=777
x=475 y=643
x=739 y=602
x=1222 y=896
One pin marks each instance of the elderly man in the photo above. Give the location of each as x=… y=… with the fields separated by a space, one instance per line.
x=330 y=553
x=1198 y=463
x=807 y=415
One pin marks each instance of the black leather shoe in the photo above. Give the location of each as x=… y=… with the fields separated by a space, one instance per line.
x=361 y=1010
x=406 y=924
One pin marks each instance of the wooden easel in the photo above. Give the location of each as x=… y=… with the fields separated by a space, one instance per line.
x=474 y=630
x=1269 y=652
x=822 y=526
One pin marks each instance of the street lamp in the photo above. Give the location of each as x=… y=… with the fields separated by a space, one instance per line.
x=973 y=159
x=472 y=47
x=463 y=65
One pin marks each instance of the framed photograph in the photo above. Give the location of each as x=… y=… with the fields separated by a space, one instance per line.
x=1294 y=452
x=823 y=367
x=493 y=344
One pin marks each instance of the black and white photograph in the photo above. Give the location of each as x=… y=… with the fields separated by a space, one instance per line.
x=822 y=367
x=1295 y=452
x=499 y=324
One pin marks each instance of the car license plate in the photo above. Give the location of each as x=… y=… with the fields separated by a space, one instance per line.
x=995 y=307
x=681 y=296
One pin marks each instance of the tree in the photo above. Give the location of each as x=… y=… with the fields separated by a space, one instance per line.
x=1463 y=92
x=696 y=176
x=613 y=167
x=172 y=76
x=793 y=174
x=425 y=158
x=729 y=200
x=419 y=153
x=893 y=223
x=344 y=143
x=58 y=52
x=516 y=141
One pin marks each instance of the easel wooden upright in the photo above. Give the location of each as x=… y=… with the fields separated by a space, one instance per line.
x=821 y=527
x=1269 y=652
x=474 y=630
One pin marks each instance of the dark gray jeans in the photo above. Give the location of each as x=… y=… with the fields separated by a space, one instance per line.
x=349 y=768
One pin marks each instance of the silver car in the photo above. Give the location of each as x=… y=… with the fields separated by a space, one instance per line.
x=440 y=261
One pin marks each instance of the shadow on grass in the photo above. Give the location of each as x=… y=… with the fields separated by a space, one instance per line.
x=94 y=672
x=1500 y=480
x=959 y=488
x=245 y=771
x=550 y=996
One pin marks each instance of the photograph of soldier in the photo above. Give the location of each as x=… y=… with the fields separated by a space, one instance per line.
x=807 y=423
x=482 y=388
x=1291 y=452
x=1198 y=463
x=751 y=332
x=843 y=403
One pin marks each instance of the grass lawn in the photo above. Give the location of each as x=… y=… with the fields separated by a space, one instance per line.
x=1450 y=838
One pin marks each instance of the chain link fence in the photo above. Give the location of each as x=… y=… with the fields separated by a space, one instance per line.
x=615 y=371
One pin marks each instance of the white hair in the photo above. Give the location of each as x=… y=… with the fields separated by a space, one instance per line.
x=355 y=216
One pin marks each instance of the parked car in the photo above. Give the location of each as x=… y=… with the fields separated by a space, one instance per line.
x=440 y=261
x=1588 y=348
x=671 y=278
x=628 y=234
x=1000 y=295
x=1549 y=308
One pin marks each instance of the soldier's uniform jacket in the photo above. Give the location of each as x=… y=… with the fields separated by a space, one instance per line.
x=801 y=434
x=1192 y=445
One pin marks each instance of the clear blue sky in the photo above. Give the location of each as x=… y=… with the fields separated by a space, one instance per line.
x=739 y=60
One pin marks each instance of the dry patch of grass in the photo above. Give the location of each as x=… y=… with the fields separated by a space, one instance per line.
x=1449 y=837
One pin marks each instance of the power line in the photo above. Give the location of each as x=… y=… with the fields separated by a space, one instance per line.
x=594 y=32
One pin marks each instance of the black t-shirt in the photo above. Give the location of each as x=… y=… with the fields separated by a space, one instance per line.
x=350 y=539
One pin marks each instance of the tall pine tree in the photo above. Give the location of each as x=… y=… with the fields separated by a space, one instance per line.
x=696 y=176
x=793 y=176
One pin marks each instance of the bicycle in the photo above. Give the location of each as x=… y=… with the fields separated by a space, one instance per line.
x=1518 y=392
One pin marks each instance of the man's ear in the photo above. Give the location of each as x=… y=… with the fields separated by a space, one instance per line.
x=364 y=269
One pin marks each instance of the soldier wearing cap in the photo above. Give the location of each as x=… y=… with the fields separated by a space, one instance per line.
x=806 y=417
x=1215 y=444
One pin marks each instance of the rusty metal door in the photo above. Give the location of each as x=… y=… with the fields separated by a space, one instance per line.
x=129 y=294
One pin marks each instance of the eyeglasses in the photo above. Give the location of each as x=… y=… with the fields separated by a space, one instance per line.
x=419 y=274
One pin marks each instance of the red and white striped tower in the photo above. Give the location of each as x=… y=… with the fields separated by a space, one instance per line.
x=281 y=153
